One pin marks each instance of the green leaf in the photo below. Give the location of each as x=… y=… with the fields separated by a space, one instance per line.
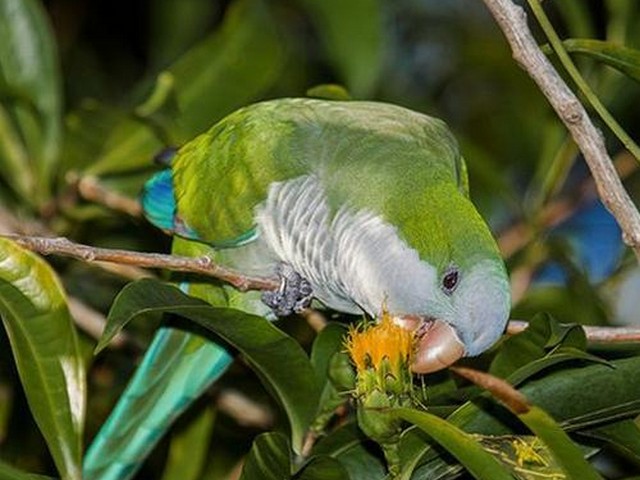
x=623 y=59
x=561 y=355
x=329 y=341
x=354 y=451
x=329 y=91
x=521 y=349
x=7 y=472
x=30 y=96
x=525 y=455
x=277 y=358
x=624 y=437
x=323 y=468
x=233 y=66
x=579 y=398
x=461 y=445
x=45 y=347
x=269 y=458
x=352 y=33
x=189 y=448
x=567 y=454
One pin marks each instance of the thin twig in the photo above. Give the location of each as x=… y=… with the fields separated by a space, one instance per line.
x=90 y=188
x=594 y=334
x=244 y=410
x=512 y=20
x=202 y=265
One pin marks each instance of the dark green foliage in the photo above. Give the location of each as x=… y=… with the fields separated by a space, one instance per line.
x=89 y=94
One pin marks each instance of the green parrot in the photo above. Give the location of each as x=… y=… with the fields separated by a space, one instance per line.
x=362 y=206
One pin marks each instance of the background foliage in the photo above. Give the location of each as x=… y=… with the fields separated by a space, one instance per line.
x=91 y=91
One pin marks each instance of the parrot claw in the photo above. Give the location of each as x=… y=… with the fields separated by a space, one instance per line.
x=294 y=294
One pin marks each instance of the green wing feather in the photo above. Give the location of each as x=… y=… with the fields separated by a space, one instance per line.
x=362 y=152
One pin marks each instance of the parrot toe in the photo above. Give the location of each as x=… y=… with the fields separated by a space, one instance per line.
x=294 y=294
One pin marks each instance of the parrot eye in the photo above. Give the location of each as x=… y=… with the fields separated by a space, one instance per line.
x=450 y=280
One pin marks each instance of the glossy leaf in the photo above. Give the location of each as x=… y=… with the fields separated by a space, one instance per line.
x=269 y=458
x=215 y=77
x=525 y=455
x=578 y=398
x=354 y=451
x=620 y=57
x=461 y=445
x=275 y=357
x=323 y=468
x=327 y=343
x=352 y=33
x=189 y=448
x=30 y=88
x=622 y=436
x=566 y=453
x=45 y=347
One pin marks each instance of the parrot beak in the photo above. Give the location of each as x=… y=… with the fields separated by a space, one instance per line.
x=437 y=343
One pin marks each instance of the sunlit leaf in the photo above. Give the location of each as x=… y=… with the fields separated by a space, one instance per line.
x=45 y=347
x=353 y=37
x=274 y=356
x=461 y=445
x=30 y=97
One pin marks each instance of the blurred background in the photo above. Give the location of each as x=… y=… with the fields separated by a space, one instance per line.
x=123 y=79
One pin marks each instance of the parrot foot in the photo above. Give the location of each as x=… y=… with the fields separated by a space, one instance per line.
x=293 y=295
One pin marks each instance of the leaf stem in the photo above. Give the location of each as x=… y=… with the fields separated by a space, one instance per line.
x=579 y=80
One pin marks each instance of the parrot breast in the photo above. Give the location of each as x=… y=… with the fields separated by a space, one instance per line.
x=354 y=260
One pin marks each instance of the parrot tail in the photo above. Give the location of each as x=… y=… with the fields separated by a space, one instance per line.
x=176 y=369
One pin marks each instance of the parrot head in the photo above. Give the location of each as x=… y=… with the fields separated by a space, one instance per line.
x=467 y=305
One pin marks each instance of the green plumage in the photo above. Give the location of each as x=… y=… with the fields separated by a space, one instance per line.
x=368 y=201
x=362 y=152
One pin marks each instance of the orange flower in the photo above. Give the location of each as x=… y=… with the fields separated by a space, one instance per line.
x=368 y=347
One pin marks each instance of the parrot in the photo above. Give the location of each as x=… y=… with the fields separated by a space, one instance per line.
x=359 y=206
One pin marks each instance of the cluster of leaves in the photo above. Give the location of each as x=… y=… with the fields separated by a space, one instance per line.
x=202 y=67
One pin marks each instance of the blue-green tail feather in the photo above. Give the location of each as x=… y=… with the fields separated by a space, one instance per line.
x=176 y=369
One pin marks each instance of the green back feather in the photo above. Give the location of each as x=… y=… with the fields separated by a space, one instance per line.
x=366 y=154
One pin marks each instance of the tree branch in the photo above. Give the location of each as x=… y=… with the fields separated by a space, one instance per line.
x=202 y=265
x=205 y=266
x=594 y=334
x=513 y=21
